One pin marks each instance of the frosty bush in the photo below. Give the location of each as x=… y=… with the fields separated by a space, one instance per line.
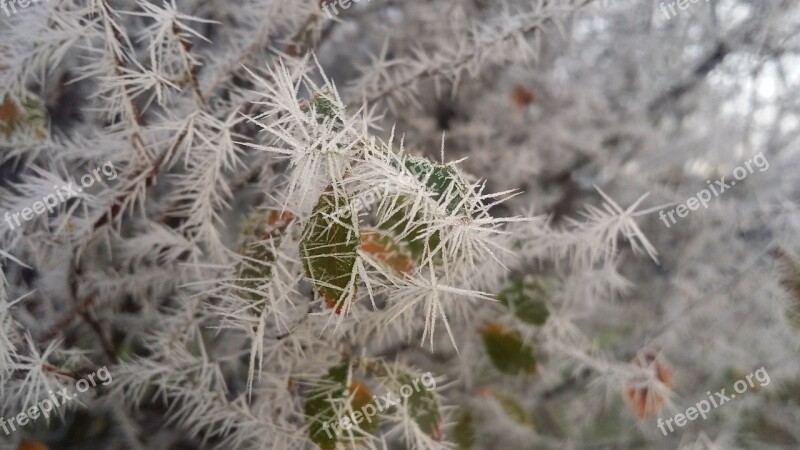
x=310 y=219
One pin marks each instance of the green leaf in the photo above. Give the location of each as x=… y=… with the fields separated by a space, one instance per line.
x=318 y=408
x=446 y=185
x=788 y=392
x=423 y=408
x=251 y=274
x=759 y=427
x=513 y=409
x=464 y=430
x=414 y=236
x=328 y=249
x=794 y=307
x=526 y=299
x=507 y=351
x=328 y=112
x=323 y=423
x=325 y=107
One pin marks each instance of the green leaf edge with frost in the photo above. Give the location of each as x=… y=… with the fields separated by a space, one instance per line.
x=413 y=235
x=319 y=410
x=513 y=409
x=329 y=249
x=507 y=351
x=443 y=181
x=464 y=430
x=526 y=299
x=422 y=407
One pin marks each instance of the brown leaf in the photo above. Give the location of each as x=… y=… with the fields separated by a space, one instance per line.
x=522 y=96
x=9 y=115
x=31 y=445
x=644 y=401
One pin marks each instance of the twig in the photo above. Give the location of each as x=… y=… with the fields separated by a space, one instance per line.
x=53 y=369
x=190 y=68
x=59 y=326
x=108 y=348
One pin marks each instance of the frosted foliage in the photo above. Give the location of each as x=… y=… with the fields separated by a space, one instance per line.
x=440 y=224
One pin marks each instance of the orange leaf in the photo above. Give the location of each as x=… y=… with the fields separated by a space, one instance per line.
x=641 y=395
x=9 y=115
x=277 y=222
x=360 y=397
x=522 y=96
x=387 y=250
x=31 y=445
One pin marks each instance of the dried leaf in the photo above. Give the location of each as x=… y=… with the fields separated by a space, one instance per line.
x=641 y=395
x=31 y=445
x=522 y=96
x=23 y=119
x=360 y=398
